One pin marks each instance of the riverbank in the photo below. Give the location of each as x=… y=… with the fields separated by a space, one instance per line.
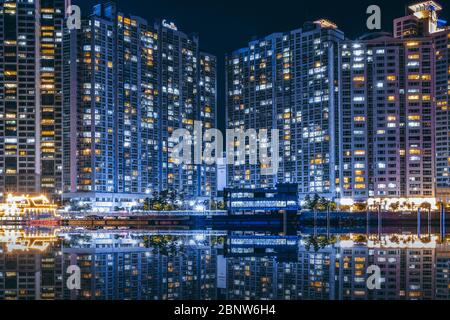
x=360 y=218
x=336 y=219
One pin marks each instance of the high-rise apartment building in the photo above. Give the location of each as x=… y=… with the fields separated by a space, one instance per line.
x=393 y=142
x=289 y=81
x=51 y=24
x=442 y=41
x=111 y=126
x=137 y=117
x=188 y=91
x=359 y=120
x=354 y=122
x=441 y=38
x=31 y=65
x=387 y=119
x=129 y=85
x=207 y=114
x=91 y=115
x=95 y=106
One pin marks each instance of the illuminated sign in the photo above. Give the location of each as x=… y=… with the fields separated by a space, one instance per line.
x=169 y=25
x=18 y=206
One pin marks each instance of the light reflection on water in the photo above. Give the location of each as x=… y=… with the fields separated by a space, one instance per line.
x=233 y=265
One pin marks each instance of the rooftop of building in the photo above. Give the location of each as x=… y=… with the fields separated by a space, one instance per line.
x=421 y=10
x=425 y=6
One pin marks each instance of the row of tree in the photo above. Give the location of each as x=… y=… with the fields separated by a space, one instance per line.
x=393 y=206
x=319 y=203
x=167 y=200
x=171 y=200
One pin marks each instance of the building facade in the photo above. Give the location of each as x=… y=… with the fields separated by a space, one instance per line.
x=188 y=94
x=31 y=96
x=129 y=86
x=387 y=120
x=288 y=81
x=359 y=120
x=111 y=130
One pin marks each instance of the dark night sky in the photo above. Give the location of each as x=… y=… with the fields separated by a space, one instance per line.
x=226 y=25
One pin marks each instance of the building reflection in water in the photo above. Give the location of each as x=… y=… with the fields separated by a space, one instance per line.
x=219 y=265
x=30 y=264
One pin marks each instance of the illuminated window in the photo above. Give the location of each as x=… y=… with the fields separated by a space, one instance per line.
x=412 y=44
x=391 y=118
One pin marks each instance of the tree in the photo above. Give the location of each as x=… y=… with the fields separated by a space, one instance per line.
x=75 y=206
x=307 y=202
x=312 y=241
x=217 y=205
x=163 y=201
x=315 y=202
x=333 y=206
x=404 y=205
x=426 y=206
x=323 y=204
x=361 y=239
x=312 y=204
x=345 y=208
x=395 y=239
x=395 y=206
x=361 y=206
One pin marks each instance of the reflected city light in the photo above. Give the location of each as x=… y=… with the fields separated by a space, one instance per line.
x=15 y=239
x=231 y=265
x=27 y=207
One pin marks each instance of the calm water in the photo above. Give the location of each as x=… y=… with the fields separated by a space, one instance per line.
x=232 y=265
